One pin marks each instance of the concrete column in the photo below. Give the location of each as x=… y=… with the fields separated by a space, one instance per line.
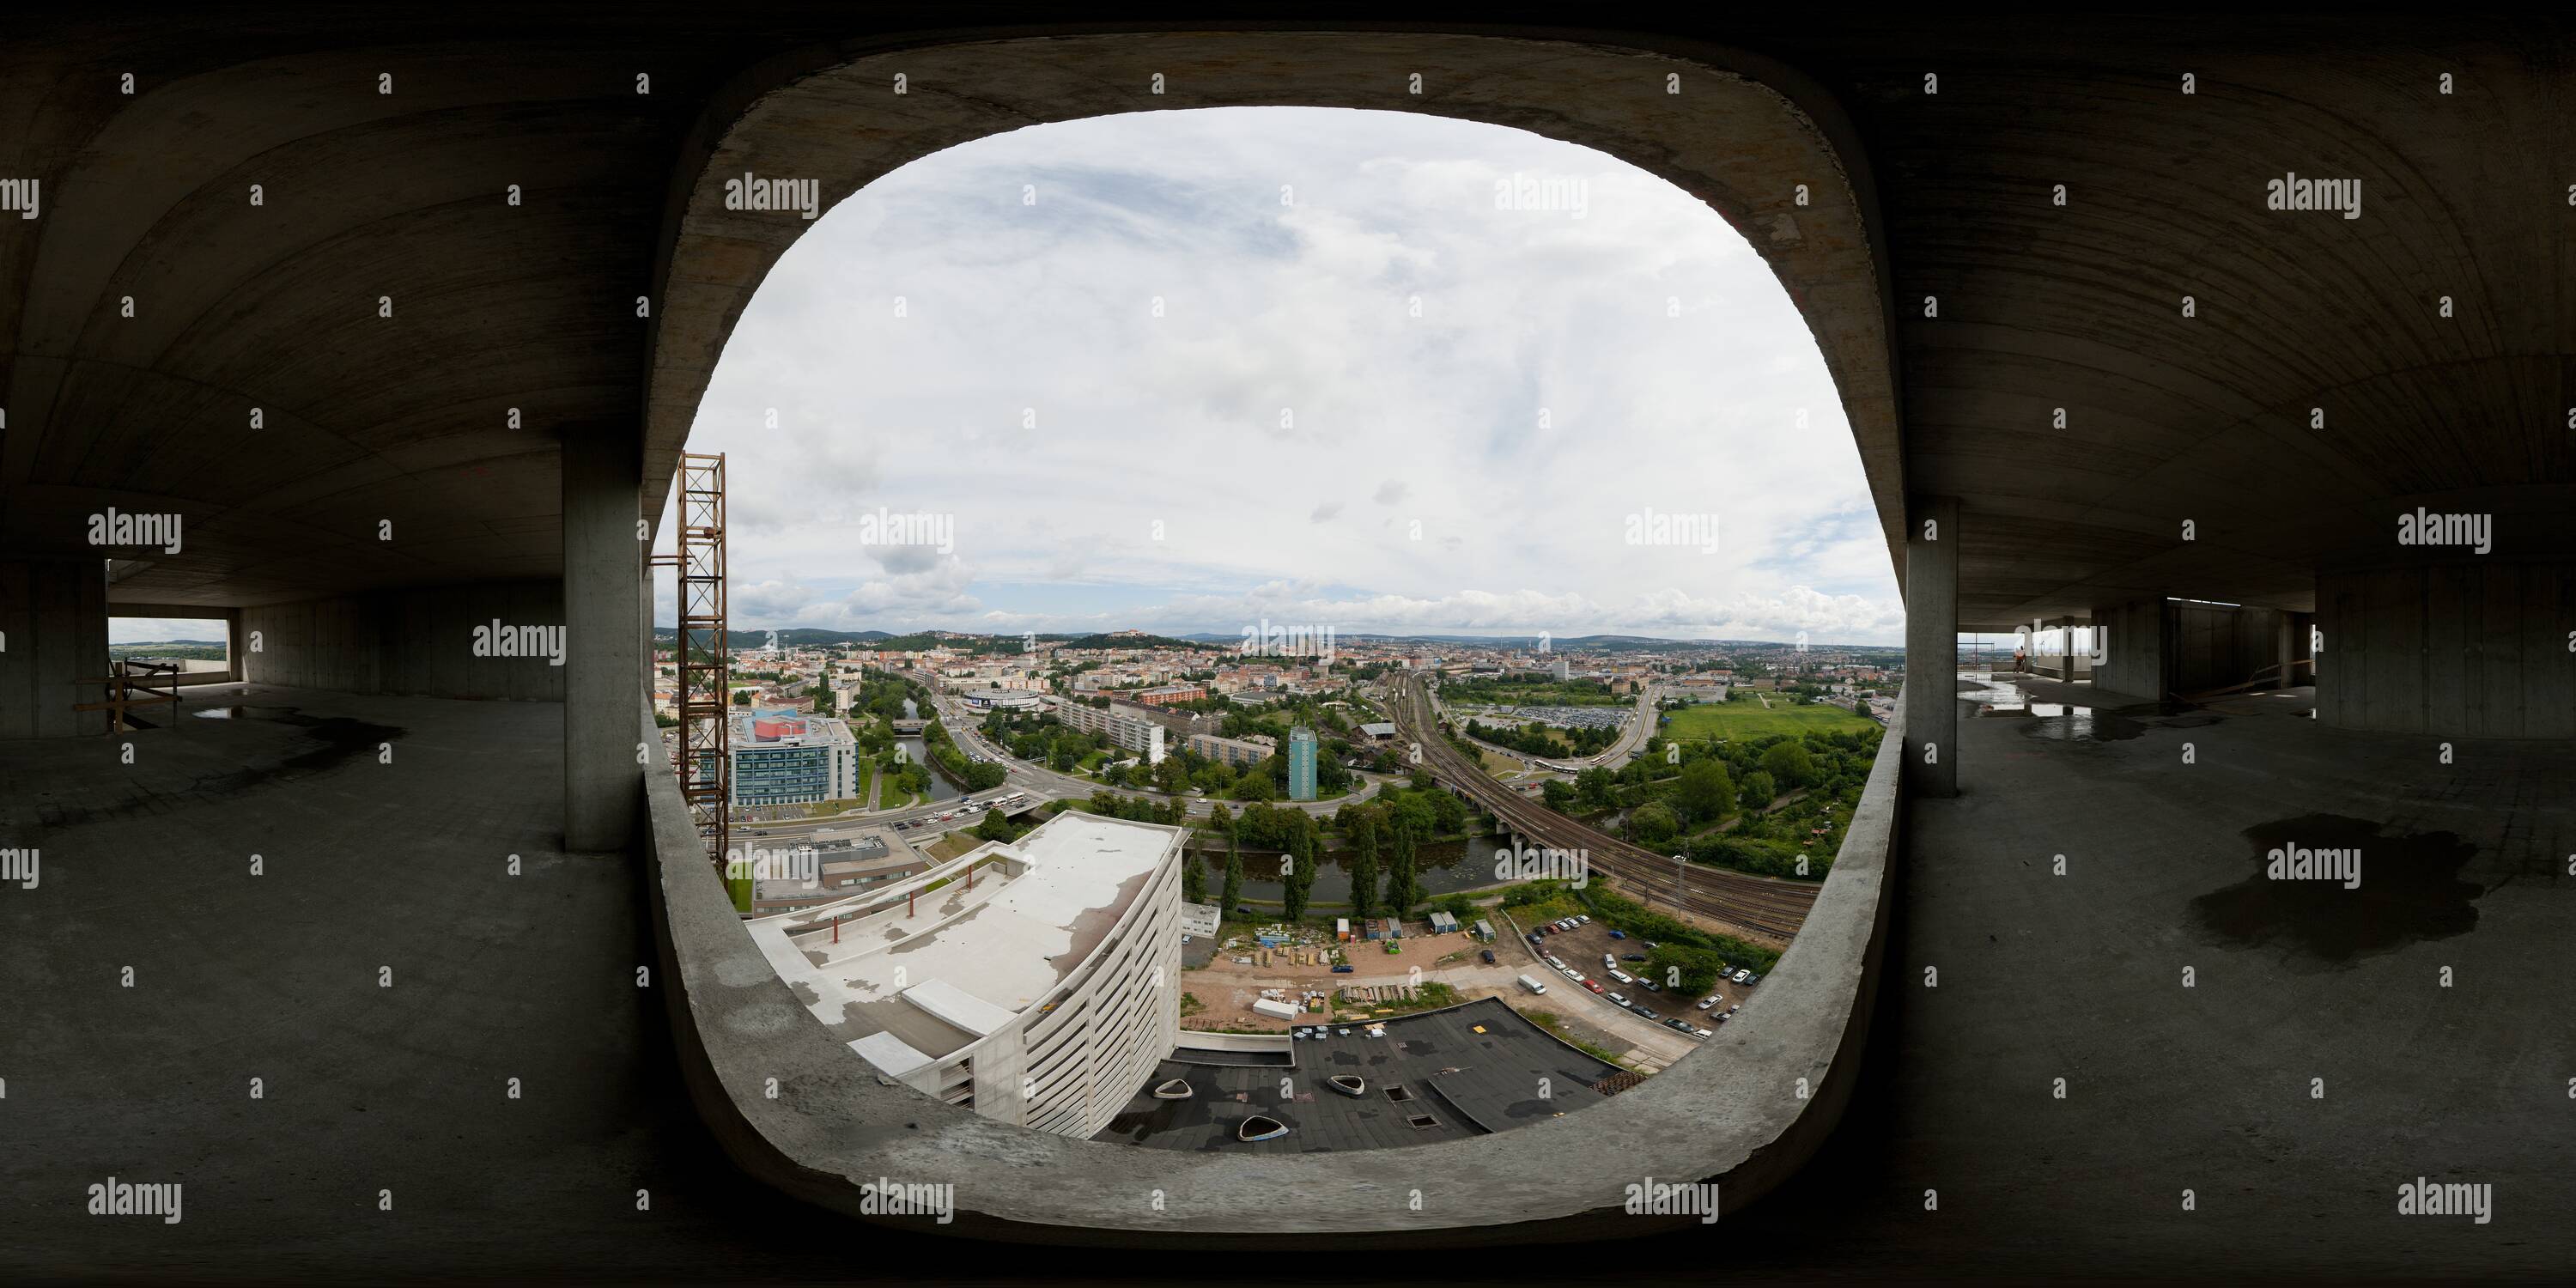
x=1932 y=646
x=53 y=634
x=2281 y=638
x=603 y=477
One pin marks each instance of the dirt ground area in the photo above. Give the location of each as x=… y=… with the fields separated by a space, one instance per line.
x=1227 y=987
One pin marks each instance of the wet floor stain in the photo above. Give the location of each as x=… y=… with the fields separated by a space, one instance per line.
x=2079 y=724
x=2409 y=890
x=340 y=740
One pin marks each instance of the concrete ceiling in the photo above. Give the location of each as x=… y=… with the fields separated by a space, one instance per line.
x=2041 y=306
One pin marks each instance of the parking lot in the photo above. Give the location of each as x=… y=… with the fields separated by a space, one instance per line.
x=1583 y=949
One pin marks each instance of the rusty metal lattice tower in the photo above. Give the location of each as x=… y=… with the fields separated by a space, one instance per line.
x=704 y=764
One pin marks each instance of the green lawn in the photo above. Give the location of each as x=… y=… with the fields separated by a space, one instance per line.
x=1746 y=718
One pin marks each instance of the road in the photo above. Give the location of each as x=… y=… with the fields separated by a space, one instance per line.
x=1758 y=908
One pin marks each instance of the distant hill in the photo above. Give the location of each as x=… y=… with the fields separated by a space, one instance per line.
x=1146 y=641
x=792 y=637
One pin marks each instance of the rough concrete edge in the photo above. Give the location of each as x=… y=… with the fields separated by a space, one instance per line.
x=769 y=1138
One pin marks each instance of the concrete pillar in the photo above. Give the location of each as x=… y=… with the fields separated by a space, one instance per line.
x=2281 y=638
x=1932 y=647
x=603 y=477
x=53 y=634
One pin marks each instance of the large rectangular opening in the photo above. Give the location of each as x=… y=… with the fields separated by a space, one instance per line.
x=199 y=648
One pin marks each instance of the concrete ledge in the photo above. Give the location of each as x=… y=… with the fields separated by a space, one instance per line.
x=805 y=1116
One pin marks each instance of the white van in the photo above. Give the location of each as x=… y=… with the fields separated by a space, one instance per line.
x=1532 y=985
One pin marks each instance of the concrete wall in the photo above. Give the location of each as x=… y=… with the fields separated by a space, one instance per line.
x=2133 y=640
x=2476 y=650
x=418 y=642
x=2213 y=648
x=53 y=633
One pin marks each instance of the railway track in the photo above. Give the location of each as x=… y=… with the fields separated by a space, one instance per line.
x=1765 y=907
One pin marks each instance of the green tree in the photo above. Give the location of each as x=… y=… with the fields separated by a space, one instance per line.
x=1300 y=876
x=1171 y=775
x=1401 y=889
x=1592 y=788
x=1705 y=793
x=1557 y=795
x=1193 y=877
x=1685 y=969
x=1116 y=774
x=995 y=827
x=1790 y=764
x=1364 y=863
x=1233 y=874
x=1653 y=824
x=1759 y=789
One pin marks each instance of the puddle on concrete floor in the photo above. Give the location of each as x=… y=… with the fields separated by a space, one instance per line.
x=2409 y=889
x=2078 y=724
x=340 y=736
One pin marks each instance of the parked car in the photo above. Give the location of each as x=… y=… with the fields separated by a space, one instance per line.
x=1742 y=977
x=1616 y=998
x=1707 y=1002
x=1683 y=1025
x=1585 y=920
x=1593 y=984
x=1534 y=937
x=1640 y=1008
x=1623 y=977
x=1618 y=934
x=1634 y=957
x=1703 y=1034
x=1341 y=970
x=1489 y=956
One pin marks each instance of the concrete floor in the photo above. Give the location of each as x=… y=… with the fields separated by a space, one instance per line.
x=2207 y=1088
x=532 y=977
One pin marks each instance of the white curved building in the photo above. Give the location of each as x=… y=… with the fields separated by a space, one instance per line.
x=1044 y=992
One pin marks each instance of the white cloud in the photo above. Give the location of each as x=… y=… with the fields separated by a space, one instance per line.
x=1516 y=381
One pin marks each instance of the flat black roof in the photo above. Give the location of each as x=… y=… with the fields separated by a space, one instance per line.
x=1466 y=1082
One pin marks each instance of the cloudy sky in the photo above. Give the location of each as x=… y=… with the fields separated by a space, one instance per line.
x=1190 y=371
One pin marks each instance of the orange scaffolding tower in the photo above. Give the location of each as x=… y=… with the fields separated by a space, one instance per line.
x=705 y=764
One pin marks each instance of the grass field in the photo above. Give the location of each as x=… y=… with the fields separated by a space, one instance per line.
x=1745 y=718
